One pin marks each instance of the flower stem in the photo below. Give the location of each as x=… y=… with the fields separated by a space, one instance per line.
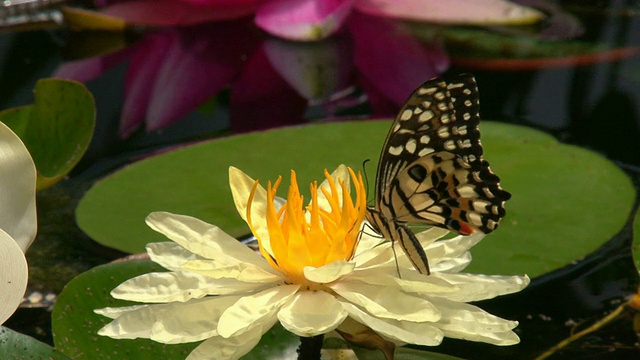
x=310 y=347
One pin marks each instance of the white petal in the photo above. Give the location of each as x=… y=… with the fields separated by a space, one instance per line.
x=219 y=348
x=134 y=324
x=451 y=248
x=411 y=281
x=495 y=338
x=246 y=272
x=203 y=239
x=14 y=273
x=419 y=333
x=193 y=321
x=475 y=287
x=17 y=189
x=177 y=286
x=372 y=250
x=468 y=322
x=252 y=310
x=329 y=272
x=170 y=255
x=451 y=265
x=311 y=313
x=116 y=312
x=241 y=185
x=429 y=236
x=387 y=302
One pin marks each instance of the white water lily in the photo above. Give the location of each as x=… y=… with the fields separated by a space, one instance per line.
x=319 y=266
x=17 y=219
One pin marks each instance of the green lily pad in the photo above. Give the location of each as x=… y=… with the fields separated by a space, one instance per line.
x=16 y=346
x=567 y=201
x=482 y=49
x=56 y=129
x=75 y=325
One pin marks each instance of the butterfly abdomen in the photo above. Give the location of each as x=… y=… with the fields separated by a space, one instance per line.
x=403 y=235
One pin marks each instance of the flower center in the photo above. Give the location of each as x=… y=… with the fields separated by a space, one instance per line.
x=320 y=233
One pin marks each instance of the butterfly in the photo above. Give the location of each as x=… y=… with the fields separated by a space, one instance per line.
x=431 y=169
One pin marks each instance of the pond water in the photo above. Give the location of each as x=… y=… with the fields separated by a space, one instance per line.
x=576 y=76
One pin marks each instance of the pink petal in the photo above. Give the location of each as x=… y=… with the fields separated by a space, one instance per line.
x=141 y=77
x=220 y=2
x=88 y=69
x=391 y=59
x=315 y=70
x=302 y=20
x=261 y=99
x=176 y=13
x=198 y=67
x=80 y=70
x=481 y=12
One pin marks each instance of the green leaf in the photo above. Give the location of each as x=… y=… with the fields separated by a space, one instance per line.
x=16 y=346
x=56 y=129
x=75 y=325
x=566 y=201
x=636 y=240
x=484 y=49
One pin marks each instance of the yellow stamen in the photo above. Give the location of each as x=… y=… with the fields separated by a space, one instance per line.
x=301 y=236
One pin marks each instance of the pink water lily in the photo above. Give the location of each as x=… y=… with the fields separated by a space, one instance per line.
x=273 y=81
x=171 y=72
x=308 y=20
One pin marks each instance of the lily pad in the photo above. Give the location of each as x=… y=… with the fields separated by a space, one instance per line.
x=75 y=325
x=478 y=48
x=16 y=346
x=56 y=129
x=567 y=201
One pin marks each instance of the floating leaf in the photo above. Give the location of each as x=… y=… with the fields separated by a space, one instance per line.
x=15 y=346
x=56 y=129
x=483 y=49
x=75 y=325
x=566 y=201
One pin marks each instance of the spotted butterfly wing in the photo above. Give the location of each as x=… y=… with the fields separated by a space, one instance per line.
x=431 y=169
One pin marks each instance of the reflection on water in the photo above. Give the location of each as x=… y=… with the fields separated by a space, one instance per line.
x=174 y=85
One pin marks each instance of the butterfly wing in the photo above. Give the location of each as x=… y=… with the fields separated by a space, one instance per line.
x=414 y=125
x=431 y=169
